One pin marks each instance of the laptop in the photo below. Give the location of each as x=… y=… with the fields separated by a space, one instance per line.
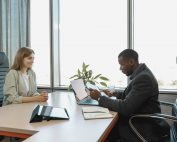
x=82 y=93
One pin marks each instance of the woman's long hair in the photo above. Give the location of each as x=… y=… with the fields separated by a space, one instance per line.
x=21 y=54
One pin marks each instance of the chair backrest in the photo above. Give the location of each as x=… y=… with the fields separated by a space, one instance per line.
x=4 y=68
x=174 y=126
x=168 y=133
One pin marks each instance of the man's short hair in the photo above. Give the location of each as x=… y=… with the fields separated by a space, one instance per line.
x=129 y=53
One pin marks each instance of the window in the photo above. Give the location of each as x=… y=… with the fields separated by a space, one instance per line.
x=40 y=40
x=155 y=33
x=55 y=42
x=90 y=31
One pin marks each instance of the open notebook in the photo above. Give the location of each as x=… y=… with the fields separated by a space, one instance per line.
x=96 y=112
x=48 y=113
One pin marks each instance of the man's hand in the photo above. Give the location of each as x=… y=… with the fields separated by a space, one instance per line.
x=108 y=92
x=94 y=94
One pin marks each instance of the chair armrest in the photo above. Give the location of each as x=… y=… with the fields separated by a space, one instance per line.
x=166 y=103
x=156 y=115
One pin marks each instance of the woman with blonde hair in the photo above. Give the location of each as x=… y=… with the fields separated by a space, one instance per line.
x=20 y=83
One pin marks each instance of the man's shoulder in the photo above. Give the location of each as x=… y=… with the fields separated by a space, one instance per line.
x=145 y=76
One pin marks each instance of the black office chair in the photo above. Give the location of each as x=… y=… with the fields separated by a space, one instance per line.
x=173 y=127
x=4 y=68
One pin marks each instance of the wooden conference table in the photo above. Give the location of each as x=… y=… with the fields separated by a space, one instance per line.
x=14 y=121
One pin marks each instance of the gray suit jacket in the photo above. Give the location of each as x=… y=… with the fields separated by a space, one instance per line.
x=14 y=88
x=140 y=96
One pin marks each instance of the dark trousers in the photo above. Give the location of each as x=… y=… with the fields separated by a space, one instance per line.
x=122 y=133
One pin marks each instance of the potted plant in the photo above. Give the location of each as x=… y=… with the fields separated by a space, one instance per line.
x=88 y=77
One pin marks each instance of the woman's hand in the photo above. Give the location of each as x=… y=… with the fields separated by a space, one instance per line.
x=43 y=97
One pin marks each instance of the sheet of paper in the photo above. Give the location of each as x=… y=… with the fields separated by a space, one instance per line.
x=97 y=115
x=59 y=112
x=91 y=86
x=95 y=109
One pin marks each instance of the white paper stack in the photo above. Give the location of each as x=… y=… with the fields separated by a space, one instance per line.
x=95 y=112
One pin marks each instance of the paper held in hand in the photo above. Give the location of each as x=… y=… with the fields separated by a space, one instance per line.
x=96 y=112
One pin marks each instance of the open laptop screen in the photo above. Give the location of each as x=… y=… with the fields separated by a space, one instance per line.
x=79 y=88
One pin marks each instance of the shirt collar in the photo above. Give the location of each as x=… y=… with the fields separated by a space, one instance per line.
x=139 y=69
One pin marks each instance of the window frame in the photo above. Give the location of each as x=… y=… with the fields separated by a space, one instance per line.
x=130 y=45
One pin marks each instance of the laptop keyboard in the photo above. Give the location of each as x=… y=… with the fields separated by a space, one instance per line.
x=88 y=101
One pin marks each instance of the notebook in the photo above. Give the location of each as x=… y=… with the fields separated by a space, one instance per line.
x=48 y=113
x=96 y=112
x=82 y=93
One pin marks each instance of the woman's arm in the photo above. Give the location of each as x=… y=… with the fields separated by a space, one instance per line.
x=10 y=89
x=38 y=98
x=11 y=95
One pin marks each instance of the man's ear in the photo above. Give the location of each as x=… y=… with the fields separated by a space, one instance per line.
x=131 y=62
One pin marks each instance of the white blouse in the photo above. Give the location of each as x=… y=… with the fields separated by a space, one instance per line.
x=26 y=80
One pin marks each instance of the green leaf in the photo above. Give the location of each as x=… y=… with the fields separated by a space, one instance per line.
x=90 y=72
x=79 y=73
x=91 y=82
x=104 y=78
x=86 y=74
x=103 y=84
x=97 y=76
x=73 y=76
x=86 y=66
x=83 y=67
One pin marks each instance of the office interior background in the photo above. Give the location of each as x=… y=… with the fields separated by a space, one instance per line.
x=66 y=33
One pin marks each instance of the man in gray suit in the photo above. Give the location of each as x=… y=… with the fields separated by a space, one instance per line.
x=140 y=97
